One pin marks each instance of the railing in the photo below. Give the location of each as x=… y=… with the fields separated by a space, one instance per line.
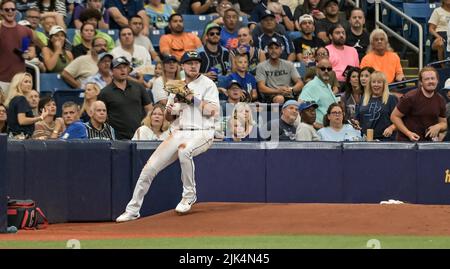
x=378 y=23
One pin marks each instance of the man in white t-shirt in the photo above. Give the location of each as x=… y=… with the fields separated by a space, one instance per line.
x=192 y=134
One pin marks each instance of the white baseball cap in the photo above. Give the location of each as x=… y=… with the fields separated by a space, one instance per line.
x=305 y=17
x=56 y=29
x=447 y=84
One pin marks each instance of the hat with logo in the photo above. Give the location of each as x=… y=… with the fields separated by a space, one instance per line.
x=169 y=58
x=191 y=56
x=267 y=13
x=118 y=61
x=275 y=41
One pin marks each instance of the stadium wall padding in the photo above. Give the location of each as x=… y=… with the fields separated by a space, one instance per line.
x=94 y=180
x=3 y=191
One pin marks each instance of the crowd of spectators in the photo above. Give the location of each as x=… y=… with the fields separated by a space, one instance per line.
x=342 y=93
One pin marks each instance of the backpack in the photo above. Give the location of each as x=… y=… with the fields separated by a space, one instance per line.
x=23 y=214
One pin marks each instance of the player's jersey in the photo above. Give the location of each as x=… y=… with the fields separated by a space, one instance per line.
x=191 y=117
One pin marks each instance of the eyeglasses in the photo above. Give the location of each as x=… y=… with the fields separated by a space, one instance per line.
x=322 y=54
x=9 y=9
x=336 y=113
x=323 y=68
x=214 y=33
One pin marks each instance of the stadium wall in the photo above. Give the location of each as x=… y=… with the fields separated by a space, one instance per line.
x=93 y=180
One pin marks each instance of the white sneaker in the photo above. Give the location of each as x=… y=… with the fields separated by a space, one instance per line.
x=185 y=205
x=127 y=217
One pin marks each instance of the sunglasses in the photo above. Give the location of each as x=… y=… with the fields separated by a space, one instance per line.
x=326 y=68
x=213 y=33
x=9 y=9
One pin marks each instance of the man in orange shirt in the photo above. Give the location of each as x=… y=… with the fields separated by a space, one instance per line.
x=178 y=42
x=382 y=58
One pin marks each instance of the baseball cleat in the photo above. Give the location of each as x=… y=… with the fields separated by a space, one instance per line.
x=127 y=217
x=185 y=205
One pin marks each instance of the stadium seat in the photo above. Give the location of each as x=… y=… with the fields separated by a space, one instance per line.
x=113 y=33
x=301 y=68
x=155 y=36
x=71 y=32
x=51 y=82
x=294 y=35
x=196 y=22
x=62 y=96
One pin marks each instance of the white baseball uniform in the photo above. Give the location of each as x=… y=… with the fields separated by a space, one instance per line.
x=192 y=134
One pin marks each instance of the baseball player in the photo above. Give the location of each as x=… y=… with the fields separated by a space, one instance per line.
x=192 y=134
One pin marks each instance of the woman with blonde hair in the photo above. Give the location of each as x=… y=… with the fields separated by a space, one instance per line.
x=154 y=126
x=240 y=124
x=20 y=115
x=171 y=71
x=91 y=91
x=376 y=107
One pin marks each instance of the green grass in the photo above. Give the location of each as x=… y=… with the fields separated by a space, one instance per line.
x=248 y=242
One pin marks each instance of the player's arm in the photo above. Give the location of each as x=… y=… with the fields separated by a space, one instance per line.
x=209 y=109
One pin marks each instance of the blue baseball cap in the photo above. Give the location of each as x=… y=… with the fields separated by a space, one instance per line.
x=289 y=103
x=307 y=104
x=234 y=82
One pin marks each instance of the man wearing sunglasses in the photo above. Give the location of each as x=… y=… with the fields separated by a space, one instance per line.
x=319 y=91
x=214 y=57
x=12 y=34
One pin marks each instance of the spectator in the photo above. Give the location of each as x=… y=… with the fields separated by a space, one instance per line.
x=158 y=13
x=125 y=100
x=236 y=93
x=331 y=10
x=319 y=90
x=154 y=126
x=96 y=127
x=158 y=73
x=286 y=123
x=438 y=27
x=77 y=73
x=240 y=124
x=215 y=58
x=229 y=34
x=52 y=8
x=352 y=92
x=33 y=100
x=357 y=36
x=307 y=44
x=364 y=76
x=334 y=127
x=245 y=79
x=341 y=55
x=50 y=127
x=136 y=24
x=245 y=6
x=91 y=91
x=93 y=16
x=246 y=46
x=260 y=10
x=322 y=53
x=121 y=11
x=178 y=42
x=305 y=130
x=277 y=79
x=381 y=57
x=55 y=56
x=171 y=71
x=91 y=4
x=87 y=35
x=3 y=119
x=75 y=129
x=201 y=7
x=33 y=16
x=103 y=76
x=20 y=116
x=30 y=55
x=268 y=25
x=280 y=15
x=420 y=114
x=309 y=7
x=446 y=93
x=376 y=107
x=12 y=36
x=221 y=8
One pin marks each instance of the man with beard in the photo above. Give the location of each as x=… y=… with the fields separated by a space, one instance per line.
x=306 y=45
x=79 y=70
x=127 y=102
x=420 y=114
x=277 y=79
x=319 y=91
x=214 y=57
x=357 y=36
x=331 y=10
x=178 y=42
x=341 y=55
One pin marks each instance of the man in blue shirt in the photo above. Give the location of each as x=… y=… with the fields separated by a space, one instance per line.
x=75 y=129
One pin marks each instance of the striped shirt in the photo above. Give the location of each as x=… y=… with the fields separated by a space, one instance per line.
x=106 y=133
x=60 y=7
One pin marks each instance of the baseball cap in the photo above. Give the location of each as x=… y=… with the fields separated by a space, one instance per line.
x=305 y=17
x=328 y=2
x=190 y=56
x=307 y=104
x=275 y=41
x=169 y=58
x=24 y=23
x=212 y=26
x=234 y=82
x=56 y=29
x=447 y=84
x=289 y=103
x=103 y=55
x=118 y=61
x=267 y=13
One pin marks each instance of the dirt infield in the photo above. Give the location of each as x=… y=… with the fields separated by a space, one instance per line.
x=227 y=219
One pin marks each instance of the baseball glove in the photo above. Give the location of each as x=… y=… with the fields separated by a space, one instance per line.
x=245 y=97
x=179 y=88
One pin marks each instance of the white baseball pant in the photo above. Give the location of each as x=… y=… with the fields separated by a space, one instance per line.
x=182 y=144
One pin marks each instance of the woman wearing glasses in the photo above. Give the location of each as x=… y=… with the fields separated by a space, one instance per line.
x=334 y=127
